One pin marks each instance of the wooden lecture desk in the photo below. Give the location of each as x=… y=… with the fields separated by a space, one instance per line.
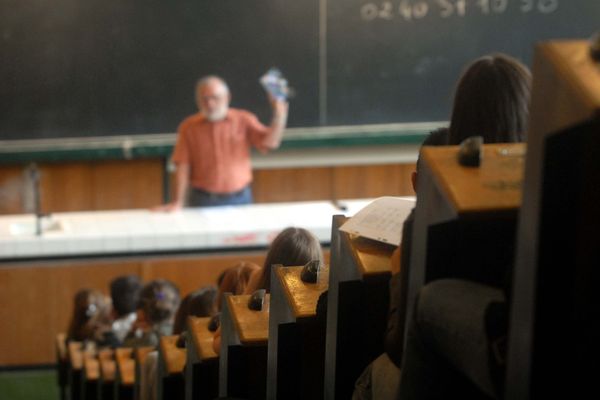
x=459 y=206
x=77 y=354
x=296 y=350
x=243 y=356
x=108 y=366
x=140 y=354
x=125 y=376
x=202 y=363
x=90 y=377
x=75 y=357
x=171 y=360
x=357 y=308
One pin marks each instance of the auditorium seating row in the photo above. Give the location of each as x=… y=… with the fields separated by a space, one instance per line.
x=278 y=352
x=292 y=349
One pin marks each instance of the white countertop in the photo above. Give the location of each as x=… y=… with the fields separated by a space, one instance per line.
x=144 y=231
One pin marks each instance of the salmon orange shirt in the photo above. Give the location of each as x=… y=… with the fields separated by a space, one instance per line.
x=219 y=152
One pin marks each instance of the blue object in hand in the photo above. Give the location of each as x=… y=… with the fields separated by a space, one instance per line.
x=275 y=84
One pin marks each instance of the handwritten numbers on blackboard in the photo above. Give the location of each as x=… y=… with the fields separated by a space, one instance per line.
x=386 y=10
x=410 y=10
x=527 y=5
x=448 y=8
x=543 y=6
x=492 y=6
x=407 y=9
x=420 y=9
x=371 y=11
x=547 y=6
x=416 y=10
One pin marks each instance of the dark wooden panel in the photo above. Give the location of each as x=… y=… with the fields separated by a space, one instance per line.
x=113 y=185
x=66 y=187
x=127 y=184
x=292 y=184
x=28 y=313
x=372 y=181
x=11 y=189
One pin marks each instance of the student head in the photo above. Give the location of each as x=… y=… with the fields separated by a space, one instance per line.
x=199 y=303
x=125 y=294
x=292 y=247
x=91 y=313
x=212 y=97
x=492 y=100
x=235 y=280
x=158 y=303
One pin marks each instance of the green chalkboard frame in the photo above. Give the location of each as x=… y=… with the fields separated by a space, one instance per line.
x=161 y=145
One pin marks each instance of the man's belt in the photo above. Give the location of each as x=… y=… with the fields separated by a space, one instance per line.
x=221 y=195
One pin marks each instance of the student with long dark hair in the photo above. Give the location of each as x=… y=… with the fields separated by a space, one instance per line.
x=448 y=351
x=491 y=100
x=91 y=316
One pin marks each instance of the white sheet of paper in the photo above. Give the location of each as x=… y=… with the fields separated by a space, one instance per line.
x=381 y=219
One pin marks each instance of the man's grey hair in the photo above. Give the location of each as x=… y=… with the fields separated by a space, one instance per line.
x=205 y=80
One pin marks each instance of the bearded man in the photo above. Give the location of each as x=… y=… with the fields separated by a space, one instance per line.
x=213 y=146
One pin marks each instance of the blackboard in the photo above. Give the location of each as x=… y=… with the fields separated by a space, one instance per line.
x=78 y=68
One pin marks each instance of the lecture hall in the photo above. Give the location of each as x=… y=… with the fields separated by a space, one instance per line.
x=326 y=199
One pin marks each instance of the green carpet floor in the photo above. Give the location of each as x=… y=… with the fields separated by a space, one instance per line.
x=29 y=385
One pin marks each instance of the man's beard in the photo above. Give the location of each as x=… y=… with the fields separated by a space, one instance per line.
x=216 y=115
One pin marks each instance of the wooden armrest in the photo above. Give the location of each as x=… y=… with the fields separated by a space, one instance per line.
x=141 y=353
x=125 y=365
x=202 y=337
x=173 y=357
x=107 y=365
x=252 y=326
x=302 y=297
x=91 y=367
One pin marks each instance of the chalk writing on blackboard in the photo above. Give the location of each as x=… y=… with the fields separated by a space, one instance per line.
x=412 y=10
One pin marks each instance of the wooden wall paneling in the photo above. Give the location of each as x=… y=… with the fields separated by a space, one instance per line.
x=292 y=184
x=406 y=188
x=11 y=189
x=36 y=304
x=351 y=182
x=127 y=184
x=119 y=184
x=66 y=187
x=27 y=312
x=193 y=272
